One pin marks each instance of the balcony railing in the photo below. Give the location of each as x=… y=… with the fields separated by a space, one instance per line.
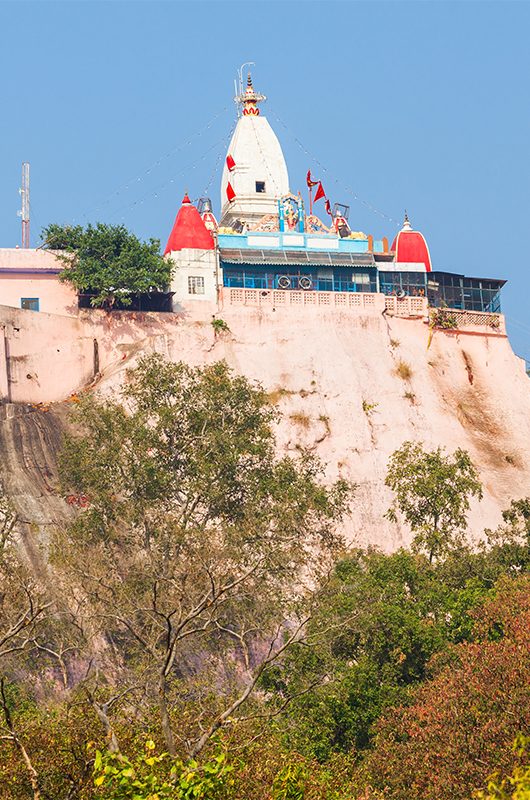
x=405 y=307
x=408 y=306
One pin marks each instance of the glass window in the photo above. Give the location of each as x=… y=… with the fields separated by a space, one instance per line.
x=195 y=284
x=29 y=303
x=260 y=187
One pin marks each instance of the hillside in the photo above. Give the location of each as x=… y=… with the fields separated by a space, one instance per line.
x=350 y=385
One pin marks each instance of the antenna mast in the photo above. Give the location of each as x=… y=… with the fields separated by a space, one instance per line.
x=24 y=212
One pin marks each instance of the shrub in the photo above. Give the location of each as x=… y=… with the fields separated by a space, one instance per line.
x=403 y=370
x=219 y=326
x=300 y=418
x=369 y=407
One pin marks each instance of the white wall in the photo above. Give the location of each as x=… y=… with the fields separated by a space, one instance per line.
x=194 y=264
x=259 y=157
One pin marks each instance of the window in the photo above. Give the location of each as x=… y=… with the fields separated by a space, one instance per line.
x=29 y=303
x=195 y=284
x=260 y=187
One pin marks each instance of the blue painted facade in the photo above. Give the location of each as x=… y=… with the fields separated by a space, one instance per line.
x=293 y=260
x=295 y=240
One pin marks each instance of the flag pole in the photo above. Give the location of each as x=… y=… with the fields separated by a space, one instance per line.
x=310 y=201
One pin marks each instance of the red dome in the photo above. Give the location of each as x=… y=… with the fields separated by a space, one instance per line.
x=189 y=231
x=410 y=247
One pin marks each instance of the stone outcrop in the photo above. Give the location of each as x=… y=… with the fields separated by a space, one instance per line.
x=352 y=386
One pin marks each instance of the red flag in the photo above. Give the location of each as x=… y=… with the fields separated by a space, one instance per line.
x=230 y=163
x=230 y=192
x=319 y=192
x=310 y=182
x=328 y=208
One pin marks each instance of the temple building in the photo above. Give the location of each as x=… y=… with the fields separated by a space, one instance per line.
x=268 y=241
x=269 y=248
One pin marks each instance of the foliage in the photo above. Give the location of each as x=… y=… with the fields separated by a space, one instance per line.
x=432 y=493
x=368 y=408
x=403 y=370
x=290 y=783
x=150 y=776
x=300 y=418
x=219 y=326
x=517 y=785
x=54 y=735
x=462 y=723
x=441 y=318
x=192 y=517
x=108 y=261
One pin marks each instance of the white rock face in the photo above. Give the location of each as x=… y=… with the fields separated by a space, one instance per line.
x=465 y=390
x=259 y=161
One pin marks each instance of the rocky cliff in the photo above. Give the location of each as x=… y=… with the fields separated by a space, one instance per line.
x=351 y=385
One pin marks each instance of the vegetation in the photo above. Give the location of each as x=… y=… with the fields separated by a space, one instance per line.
x=300 y=418
x=403 y=370
x=108 y=262
x=441 y=318
x=517 y=785
x=368 y=408
x=219 y=326
x=200 y=630
x=432 y=492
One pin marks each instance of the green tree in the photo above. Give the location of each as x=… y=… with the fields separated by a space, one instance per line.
x=108 y=261
x=461 y=725
x=148 y=776
x=432 y=493
x=198 y=543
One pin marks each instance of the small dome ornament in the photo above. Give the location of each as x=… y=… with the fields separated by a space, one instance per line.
x=406 y=223
x=250 y=99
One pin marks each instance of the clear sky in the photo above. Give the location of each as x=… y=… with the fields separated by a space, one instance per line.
x=121 y=106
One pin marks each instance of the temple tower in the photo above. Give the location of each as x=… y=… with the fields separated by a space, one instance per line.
x=255 y=173
x=191 y=246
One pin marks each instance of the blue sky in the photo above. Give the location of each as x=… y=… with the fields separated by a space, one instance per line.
x=121 y=106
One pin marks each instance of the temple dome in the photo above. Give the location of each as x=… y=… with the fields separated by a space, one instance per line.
x=255 y=173
x=410 y=247
x=189 y=230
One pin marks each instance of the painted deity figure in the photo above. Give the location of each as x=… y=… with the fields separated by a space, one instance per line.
x=291 y=213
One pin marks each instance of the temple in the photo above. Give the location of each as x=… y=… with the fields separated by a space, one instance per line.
x=269 y=247
x=268 y=240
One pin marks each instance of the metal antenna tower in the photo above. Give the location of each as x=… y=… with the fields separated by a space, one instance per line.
x=24 y=212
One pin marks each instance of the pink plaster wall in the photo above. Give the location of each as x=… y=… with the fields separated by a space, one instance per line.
x=46 y=356
x=16 y=281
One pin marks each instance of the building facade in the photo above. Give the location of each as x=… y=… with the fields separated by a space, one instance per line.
x=266 y=241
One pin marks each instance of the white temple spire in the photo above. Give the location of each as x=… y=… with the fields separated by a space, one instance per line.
x=255 y=173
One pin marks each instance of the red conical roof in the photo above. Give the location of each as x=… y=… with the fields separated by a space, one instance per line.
x=189 y=231
x=410 y=247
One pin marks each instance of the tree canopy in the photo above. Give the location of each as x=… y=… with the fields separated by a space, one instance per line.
x=432 y=493
x=108 y=261
x=198 y=540
x=200 y=630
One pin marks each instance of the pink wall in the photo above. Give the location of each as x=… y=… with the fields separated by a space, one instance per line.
x=43 y=357
x=35 y=274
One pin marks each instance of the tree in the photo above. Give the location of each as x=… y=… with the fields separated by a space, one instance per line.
x=108 y=261
x=461 y=725
x=148 y=776
x=22 y=609
x=198 y=542
x=432 y=493
x=517 y=785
